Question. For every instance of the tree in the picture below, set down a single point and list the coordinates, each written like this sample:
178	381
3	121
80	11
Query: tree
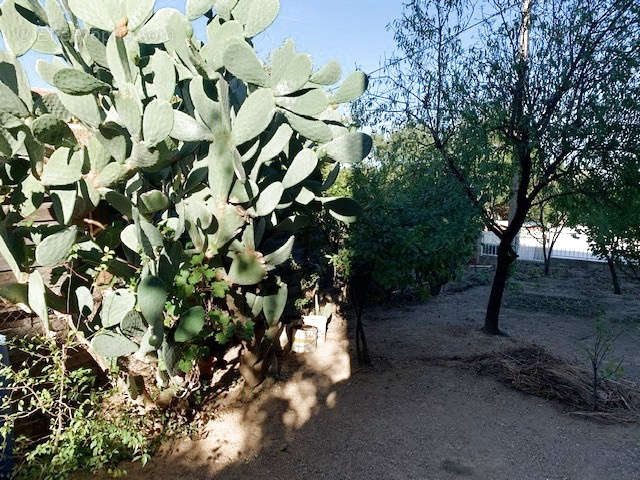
516	97
408	238
548	220
608	212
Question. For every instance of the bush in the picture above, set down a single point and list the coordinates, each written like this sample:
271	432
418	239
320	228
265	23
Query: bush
69	430
418	228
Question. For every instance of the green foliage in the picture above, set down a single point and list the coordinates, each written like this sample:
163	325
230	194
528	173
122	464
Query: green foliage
77	434
607	209
162	233
418	228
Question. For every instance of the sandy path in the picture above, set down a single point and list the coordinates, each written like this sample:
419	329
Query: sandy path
406	419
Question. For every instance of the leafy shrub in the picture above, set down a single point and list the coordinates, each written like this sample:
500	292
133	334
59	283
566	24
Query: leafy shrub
418	228
72	432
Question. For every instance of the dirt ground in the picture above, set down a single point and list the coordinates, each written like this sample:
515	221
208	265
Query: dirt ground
405	418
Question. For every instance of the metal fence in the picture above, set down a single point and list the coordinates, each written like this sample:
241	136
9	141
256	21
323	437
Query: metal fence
571	245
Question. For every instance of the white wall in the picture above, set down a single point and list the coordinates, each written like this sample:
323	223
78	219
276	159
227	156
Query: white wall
570	245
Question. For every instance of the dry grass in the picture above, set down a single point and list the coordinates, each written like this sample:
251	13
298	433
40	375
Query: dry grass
534	371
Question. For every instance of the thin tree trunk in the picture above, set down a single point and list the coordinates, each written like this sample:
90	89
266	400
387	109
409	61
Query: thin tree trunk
547	266
546	253
357	295
506	257
614	276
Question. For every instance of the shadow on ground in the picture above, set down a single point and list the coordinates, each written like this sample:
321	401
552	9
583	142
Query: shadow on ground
408	418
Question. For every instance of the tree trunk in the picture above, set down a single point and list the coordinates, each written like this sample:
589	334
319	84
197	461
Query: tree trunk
614	276
506	256
547	266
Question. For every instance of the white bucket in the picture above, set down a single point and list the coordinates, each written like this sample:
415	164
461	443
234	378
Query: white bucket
320	322
305	340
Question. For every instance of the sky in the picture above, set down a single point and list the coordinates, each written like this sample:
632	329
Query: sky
353	32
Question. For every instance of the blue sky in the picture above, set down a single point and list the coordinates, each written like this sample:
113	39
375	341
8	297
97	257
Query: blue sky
353	32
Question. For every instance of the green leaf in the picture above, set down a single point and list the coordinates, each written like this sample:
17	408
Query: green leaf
158	29
152	296
36	8
281	255
269	199
11	103
112	345
260	15
129	110
290	71
132	325
224	7
274	305
115	306
154	201
7	252
110	175
84	300
98	14
57	20
37	298
48	70
305	197
301	168
15	293
54	249
46	44
273	148
327	75
64	202
332	177
157	122
138	12
83	107
247	269
255	303
209	110
163	69
187	129
18	33
346	210
51	130
63	168
221	160
254	116
229	224
129	238
241	60
121	54
311	103
191	324
314	130
76	82
220	36
120	202
352	88
350	148
197	8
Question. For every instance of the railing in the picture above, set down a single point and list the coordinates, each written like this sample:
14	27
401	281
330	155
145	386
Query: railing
569	246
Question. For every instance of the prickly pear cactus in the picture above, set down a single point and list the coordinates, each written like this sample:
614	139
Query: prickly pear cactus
198	164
